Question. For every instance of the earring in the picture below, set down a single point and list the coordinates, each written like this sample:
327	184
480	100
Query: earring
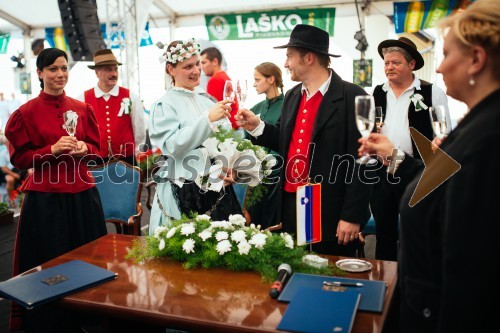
472	82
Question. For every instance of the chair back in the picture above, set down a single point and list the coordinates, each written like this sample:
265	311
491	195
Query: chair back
120	186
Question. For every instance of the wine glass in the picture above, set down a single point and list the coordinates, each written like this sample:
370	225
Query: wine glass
242	91
379	118
438	120
364	107
229	91
70	119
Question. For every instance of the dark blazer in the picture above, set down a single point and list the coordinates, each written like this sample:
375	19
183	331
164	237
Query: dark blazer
449	252
335	138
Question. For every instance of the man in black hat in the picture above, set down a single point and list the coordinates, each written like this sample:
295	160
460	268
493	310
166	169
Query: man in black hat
404	99
119	112
317	136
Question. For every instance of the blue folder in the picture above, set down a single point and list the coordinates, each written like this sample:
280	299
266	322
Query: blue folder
314	310
34	289
372	292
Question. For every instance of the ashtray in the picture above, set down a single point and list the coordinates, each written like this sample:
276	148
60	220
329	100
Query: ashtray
353	265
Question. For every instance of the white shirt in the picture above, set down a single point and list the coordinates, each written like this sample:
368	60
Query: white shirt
323	89
136	116
396	126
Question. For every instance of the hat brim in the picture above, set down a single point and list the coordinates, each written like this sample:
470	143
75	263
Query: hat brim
105	63
419	60
307	47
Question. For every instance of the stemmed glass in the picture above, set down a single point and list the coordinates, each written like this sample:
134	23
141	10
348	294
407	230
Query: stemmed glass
70	118
379	118
438	120
229	91
242	91
364	107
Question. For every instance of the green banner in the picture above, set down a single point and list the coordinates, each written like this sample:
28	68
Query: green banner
273	24
4	43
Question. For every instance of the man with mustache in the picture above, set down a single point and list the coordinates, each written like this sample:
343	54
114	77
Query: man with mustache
119	112
405	100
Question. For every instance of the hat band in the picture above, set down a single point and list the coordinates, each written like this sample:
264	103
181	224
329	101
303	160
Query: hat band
323	48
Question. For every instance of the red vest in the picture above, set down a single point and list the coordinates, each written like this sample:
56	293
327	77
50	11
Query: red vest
298	158
115	131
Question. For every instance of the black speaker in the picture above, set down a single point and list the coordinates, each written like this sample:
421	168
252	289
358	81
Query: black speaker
81	28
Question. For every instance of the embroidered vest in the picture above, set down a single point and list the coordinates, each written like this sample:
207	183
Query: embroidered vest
297	162
116	132
420	120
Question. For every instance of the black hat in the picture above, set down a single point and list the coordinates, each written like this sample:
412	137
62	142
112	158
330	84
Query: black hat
310	38
406	44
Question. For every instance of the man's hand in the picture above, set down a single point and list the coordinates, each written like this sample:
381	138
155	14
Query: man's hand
347	232
247	119
376	144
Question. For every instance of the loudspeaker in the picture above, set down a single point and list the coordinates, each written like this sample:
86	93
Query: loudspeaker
81	28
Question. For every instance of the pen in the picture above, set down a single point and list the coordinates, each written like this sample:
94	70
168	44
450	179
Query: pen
343	284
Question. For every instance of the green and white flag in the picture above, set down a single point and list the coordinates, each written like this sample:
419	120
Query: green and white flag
272	24
4	43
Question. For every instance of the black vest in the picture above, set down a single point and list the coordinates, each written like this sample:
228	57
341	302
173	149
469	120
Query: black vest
420	120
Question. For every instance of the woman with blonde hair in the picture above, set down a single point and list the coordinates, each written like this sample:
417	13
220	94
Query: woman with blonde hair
447	255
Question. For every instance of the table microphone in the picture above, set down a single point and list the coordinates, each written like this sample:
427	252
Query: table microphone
284	272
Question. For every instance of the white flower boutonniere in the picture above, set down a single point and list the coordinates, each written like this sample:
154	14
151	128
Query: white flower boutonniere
417	100
126	107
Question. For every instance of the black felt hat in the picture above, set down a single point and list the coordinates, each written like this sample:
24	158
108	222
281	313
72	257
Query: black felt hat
310	38
406	44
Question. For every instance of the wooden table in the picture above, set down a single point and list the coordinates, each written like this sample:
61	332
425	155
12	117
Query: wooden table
161	292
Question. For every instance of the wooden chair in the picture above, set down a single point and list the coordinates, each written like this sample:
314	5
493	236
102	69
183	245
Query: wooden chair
120	186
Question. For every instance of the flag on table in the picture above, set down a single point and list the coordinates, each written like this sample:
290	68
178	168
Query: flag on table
309	214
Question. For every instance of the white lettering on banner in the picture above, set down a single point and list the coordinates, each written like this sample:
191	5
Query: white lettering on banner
266	24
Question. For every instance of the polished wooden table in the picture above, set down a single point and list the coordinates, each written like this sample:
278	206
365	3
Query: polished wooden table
163	293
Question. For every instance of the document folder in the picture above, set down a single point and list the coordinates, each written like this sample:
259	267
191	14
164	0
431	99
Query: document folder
372	292
34	289
315	310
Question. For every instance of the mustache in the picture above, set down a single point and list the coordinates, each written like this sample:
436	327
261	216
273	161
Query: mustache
113	78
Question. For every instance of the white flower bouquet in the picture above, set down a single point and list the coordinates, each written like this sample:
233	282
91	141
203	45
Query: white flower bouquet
125	107
418	102
200	242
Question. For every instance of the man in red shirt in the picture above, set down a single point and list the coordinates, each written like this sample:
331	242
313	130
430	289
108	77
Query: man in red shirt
211	60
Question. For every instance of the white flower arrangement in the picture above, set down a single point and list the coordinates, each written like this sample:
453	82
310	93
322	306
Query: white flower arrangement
231	244
180	52
417	101
250	162
125	107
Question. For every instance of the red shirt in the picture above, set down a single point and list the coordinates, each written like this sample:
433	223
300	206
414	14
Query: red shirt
299	153
118	130
35	127
215	87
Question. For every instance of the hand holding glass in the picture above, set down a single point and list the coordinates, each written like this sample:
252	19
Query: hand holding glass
364	107
379	118
438	120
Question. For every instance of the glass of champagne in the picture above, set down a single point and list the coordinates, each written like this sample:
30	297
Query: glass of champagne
438	120
364	107
70	119
229	92
242	91
379	118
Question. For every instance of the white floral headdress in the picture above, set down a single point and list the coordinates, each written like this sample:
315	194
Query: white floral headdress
180	52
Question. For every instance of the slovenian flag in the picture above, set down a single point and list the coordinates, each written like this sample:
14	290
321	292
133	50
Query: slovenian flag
308	214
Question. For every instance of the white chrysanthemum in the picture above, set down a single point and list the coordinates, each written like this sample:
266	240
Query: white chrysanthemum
188	245
223	247
238	236
203	217
171	232
205	234
261	153
187	229
258	240
158	231
221	235
267	172
237	219
270	161
221	224
288	240
162	244
244	248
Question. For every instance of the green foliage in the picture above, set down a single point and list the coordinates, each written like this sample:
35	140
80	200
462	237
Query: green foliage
4	207
266	250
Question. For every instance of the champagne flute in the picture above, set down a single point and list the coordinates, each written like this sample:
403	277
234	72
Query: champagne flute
70	119
229	91
379	118
242	91
438	120
364	107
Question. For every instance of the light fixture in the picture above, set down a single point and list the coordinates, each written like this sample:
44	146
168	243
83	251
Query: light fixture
19	60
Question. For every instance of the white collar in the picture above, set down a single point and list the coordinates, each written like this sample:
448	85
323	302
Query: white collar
323	89
113	92
415	84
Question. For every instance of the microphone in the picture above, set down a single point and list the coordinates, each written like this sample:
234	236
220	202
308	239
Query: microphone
284	272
